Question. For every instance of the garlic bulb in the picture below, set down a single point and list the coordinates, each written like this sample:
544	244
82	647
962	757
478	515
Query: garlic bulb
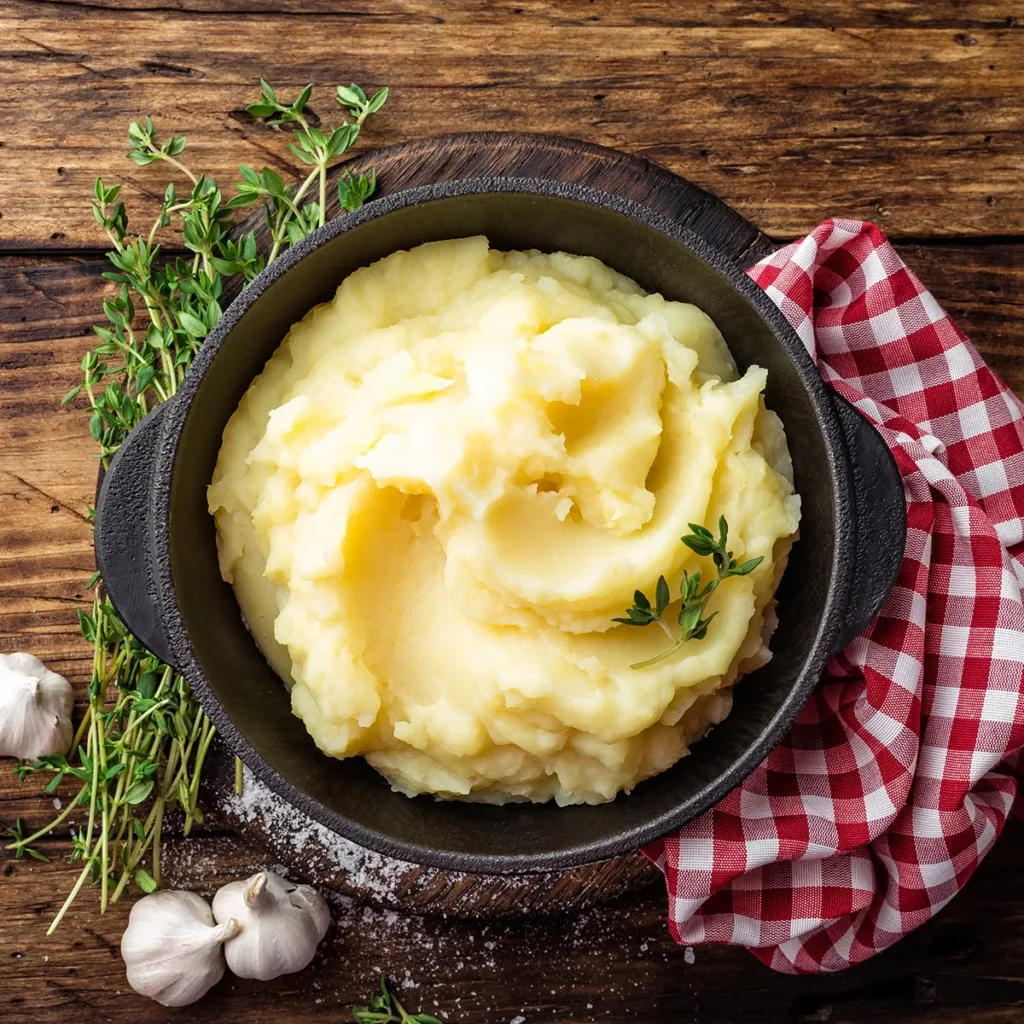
281	925
35	708
172	948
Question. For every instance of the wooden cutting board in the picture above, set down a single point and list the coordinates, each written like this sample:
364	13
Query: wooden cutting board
304	847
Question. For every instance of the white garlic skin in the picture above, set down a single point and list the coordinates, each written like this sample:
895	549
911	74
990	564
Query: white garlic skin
315	905
172	947
281	924
35	708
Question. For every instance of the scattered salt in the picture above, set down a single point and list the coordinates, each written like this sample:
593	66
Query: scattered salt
688	955
330	861
57	805
325	856
519	1019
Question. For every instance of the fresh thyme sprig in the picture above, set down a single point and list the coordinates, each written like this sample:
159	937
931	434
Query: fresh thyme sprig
151	743
140	747
693	597
288	218
385	1008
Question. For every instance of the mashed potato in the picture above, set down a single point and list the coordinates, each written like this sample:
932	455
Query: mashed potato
449	479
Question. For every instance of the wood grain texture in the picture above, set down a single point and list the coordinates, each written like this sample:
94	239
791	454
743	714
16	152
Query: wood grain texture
916	123
906	112
607	965
721	14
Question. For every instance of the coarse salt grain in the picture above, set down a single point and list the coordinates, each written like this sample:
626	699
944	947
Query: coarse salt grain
324	854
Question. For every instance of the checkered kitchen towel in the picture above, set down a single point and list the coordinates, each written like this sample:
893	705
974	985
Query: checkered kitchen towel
899	774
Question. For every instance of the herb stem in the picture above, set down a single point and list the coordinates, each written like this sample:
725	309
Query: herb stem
403	1016
208	733
28	840
678	642
82	727
293	202
132	725
94	789
140	850
173	772
157	838
174	163
169	374
71	899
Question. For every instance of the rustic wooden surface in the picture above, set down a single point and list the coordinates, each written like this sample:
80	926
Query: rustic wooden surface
904	112
911	114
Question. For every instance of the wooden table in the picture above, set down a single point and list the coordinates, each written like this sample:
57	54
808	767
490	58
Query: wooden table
909	114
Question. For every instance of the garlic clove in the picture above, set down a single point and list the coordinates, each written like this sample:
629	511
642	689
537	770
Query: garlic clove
278	933
306	897
35	708
172	947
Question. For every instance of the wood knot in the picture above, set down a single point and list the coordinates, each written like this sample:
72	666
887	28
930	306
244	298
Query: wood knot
165	70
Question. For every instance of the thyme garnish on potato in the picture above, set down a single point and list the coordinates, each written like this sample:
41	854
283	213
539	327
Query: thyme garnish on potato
693	596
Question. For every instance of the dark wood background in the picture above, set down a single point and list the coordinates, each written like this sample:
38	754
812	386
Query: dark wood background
907	113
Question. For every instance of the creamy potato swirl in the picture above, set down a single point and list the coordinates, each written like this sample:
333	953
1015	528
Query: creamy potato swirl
448	480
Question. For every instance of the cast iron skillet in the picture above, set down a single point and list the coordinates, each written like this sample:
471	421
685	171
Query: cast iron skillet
155	540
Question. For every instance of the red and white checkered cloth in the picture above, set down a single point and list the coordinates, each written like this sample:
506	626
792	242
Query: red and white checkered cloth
899	774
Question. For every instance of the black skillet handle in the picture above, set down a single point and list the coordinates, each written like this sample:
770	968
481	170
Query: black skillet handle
880	519
123	535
